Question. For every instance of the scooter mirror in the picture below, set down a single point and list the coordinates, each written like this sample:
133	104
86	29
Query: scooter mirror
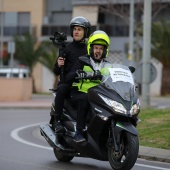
132	69
85	60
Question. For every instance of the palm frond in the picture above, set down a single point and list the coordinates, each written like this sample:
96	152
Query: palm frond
49	55
161	42
25	50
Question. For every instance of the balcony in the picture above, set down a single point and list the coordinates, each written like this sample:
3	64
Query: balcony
18	30
51	29
114	31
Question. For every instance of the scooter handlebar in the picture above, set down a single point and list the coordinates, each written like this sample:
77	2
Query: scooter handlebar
94	77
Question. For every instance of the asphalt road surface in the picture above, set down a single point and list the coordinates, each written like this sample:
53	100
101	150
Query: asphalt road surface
23	148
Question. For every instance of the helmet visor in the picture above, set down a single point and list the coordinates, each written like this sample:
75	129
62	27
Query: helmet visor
100	42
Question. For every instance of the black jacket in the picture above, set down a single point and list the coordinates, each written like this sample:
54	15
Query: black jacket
70	77
73	51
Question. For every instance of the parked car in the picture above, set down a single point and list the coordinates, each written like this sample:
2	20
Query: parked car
19	72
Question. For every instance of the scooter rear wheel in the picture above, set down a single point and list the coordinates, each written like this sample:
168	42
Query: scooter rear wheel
62	157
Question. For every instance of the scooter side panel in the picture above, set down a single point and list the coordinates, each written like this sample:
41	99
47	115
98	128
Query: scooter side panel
96	126
88	148
50	136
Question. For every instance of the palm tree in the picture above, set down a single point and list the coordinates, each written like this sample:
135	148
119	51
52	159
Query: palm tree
49	57
26	53
161	51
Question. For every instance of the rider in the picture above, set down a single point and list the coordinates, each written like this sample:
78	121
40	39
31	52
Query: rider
97	48
80	29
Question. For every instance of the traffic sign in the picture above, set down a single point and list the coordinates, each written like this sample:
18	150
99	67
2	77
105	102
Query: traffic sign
138	73
11	47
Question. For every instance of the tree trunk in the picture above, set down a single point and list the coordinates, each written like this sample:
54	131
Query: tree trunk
33	83
33	86
165	88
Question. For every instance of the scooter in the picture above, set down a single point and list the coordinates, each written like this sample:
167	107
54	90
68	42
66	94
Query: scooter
110	132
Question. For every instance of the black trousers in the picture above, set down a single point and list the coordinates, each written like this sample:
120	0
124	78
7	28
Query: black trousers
82	105
63	91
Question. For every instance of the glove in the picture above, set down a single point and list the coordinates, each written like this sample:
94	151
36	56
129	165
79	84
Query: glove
97	73
81	74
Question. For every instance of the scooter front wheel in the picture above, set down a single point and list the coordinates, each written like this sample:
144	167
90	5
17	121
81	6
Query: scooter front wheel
126	157
62	157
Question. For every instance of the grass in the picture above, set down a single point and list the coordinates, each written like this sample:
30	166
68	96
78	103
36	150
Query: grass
154	128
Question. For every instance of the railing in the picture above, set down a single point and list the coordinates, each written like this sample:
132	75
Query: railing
51	29
18	30
110	30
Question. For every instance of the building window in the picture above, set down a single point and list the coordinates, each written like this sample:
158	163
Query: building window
23	19
15	23
61	18
23	23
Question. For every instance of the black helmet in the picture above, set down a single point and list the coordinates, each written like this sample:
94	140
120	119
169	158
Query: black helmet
82	22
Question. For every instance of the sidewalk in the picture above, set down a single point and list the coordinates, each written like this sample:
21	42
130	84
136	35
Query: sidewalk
44	102
37	101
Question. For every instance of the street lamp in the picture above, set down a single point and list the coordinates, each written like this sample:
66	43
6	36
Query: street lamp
131	31
146	53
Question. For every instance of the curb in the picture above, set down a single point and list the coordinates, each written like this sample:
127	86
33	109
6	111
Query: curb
154	154
152	158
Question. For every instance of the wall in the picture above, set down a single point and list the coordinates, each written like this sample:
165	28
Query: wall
47	80
36	10
37	75
58	5
15	89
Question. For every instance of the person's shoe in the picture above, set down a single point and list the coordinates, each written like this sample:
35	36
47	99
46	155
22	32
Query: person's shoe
79	137
58	127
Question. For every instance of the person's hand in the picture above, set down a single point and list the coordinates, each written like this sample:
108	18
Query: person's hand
60	61
97	73
81	74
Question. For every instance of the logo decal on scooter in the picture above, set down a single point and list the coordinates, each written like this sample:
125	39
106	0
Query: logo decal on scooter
98	110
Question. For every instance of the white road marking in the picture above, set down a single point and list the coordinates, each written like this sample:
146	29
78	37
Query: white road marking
153	167
14	135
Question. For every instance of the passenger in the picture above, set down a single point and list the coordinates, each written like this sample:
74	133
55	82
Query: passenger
80	30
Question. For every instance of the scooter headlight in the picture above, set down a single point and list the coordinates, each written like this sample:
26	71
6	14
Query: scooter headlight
118	107
135	108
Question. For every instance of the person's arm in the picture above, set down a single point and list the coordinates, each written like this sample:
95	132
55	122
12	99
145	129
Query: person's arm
70	77
56	68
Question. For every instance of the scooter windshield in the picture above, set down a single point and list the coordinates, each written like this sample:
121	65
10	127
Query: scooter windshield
120	79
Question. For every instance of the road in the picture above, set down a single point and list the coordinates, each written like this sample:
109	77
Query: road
23	148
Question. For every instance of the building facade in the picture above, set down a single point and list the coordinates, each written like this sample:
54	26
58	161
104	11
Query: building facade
42	18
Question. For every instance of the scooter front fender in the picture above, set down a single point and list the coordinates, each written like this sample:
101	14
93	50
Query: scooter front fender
123	126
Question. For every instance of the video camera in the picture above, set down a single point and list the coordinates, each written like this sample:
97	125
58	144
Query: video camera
58	38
